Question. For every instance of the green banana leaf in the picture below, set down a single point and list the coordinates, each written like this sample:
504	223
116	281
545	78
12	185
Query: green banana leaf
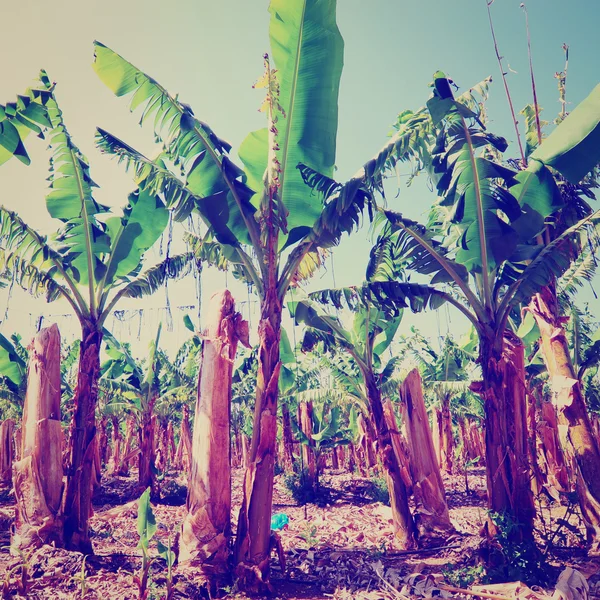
11	365
573	148
222	197
307	49
20	118
144	220
146	521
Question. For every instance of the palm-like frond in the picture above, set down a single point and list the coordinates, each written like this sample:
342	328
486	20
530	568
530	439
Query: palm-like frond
581	271
209	173
150	280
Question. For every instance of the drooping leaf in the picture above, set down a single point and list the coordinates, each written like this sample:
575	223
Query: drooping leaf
573	148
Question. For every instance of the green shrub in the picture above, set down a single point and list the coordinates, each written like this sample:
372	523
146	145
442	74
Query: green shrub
299	486
378	490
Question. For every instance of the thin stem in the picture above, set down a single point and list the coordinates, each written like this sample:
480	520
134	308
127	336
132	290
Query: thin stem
536	107
503	74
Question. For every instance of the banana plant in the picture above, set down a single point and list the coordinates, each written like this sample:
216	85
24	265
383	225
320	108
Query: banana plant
481	252
446	377
13	376
327	432
140	391
261	218
94	259
366	340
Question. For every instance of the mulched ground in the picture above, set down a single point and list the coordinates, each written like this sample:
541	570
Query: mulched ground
341	549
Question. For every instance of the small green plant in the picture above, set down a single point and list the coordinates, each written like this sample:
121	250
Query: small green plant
81	578
469	463
464	576
146	527
309	535
513	558
22	582
168	555
300	487
378	491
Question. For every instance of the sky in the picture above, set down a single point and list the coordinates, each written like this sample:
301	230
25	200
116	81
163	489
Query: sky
210	52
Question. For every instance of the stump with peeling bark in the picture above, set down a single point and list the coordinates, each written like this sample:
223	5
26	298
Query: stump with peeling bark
38	476
428	489
204	541
7	451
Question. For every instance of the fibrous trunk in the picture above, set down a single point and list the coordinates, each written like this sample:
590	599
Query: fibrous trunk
432	515
556	468
38	476
404	527
183	455
78	493
399	444
305	410
252	548
578	438
446	437
7	453
206	529
288	439
117	439
146	473
506	443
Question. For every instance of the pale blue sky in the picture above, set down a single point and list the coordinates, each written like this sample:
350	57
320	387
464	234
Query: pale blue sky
211	53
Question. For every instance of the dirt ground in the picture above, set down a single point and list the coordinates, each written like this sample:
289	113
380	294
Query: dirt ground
341	549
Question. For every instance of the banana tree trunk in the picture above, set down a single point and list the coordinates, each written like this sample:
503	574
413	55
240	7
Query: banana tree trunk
117	439
335	463
305	410
206	530
130	428
432	517
436	430
245	450
578	439
38	476
170	444
7	454
506	449
447	437
184	447
398	443
537	480
252	547
146	435
288	439
404	526
78	493
103	440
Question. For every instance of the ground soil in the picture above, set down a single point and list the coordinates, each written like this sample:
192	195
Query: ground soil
342	548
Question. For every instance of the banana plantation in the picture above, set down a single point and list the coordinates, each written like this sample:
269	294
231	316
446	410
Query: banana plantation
418	419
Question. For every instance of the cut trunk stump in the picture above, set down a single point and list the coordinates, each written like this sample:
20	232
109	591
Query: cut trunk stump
398	443
404	525
577	435
7	451
206	530
38	476
431	514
